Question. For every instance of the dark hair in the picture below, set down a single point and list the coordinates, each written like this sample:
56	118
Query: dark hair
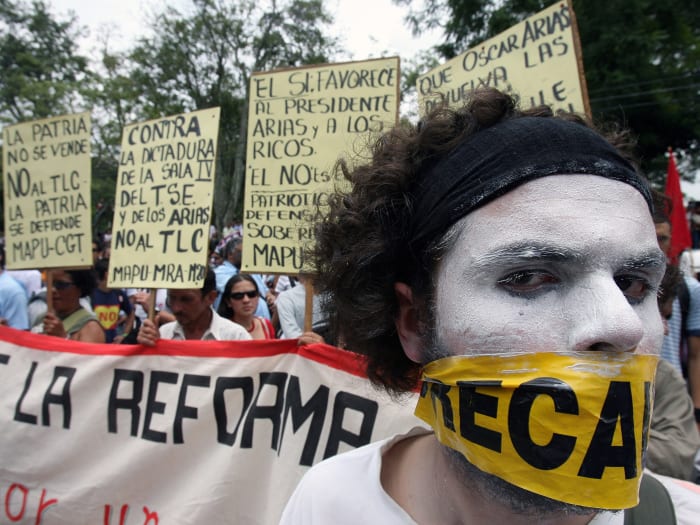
101	268
663	206
670	284
224	309
100	244
209	282
84	280
231	246
212	245
361	236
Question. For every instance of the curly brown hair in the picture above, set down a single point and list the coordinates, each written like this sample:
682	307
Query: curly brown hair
362	236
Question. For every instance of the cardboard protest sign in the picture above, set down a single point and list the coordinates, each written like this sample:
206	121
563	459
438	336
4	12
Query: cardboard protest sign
47	178
188	432
165	189
538	59
300	121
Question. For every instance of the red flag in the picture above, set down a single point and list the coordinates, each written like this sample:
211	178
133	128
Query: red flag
680	232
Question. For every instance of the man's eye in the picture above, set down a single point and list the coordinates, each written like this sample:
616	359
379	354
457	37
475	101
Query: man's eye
634	287
526	281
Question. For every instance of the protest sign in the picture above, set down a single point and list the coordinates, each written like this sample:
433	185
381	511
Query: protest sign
538	59
185	433
47	178
162	212
300	121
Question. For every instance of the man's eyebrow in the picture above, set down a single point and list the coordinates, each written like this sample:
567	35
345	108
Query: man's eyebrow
524	251
651	259
529	251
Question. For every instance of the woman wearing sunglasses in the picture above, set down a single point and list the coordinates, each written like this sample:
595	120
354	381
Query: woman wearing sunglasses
69	319
239	302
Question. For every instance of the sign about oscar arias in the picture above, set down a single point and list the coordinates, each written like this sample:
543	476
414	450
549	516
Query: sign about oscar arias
46	177
300	122
163	199
185	433
538	59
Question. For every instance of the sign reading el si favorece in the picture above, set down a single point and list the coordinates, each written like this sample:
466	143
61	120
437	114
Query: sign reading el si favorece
300	122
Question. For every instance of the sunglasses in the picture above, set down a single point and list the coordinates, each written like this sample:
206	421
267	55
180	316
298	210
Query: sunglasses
237	296
62	285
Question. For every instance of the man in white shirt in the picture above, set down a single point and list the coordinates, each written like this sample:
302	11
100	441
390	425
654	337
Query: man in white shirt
194	318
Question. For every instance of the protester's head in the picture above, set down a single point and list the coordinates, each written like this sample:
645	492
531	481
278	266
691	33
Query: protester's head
101	269
233	251
494	231
430	188
662	222
84	280
215	259
97	249
213	244
191	305
240	297
69	286
2	255
107	247
209	285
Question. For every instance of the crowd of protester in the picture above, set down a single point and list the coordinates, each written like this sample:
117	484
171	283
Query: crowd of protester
86	309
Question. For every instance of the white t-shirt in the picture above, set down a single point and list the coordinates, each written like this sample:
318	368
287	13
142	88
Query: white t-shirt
346	490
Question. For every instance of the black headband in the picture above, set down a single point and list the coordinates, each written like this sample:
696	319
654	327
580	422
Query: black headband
495	160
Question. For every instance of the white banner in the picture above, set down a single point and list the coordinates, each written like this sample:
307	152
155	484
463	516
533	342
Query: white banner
184	433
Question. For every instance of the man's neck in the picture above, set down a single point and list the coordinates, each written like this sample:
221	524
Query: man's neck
450	496
197	328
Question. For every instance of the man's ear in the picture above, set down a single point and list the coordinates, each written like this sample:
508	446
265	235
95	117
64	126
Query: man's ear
210	297
408	324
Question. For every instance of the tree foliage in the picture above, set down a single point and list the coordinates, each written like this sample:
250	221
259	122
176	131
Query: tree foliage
641	59
42	71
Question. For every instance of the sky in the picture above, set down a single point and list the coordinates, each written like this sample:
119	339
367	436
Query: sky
367	28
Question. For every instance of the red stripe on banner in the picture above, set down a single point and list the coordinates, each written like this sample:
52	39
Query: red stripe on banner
327	355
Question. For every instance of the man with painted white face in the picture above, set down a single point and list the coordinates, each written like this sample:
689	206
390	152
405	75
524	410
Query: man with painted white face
504	262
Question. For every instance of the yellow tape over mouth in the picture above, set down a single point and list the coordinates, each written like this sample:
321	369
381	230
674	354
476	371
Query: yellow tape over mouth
572	427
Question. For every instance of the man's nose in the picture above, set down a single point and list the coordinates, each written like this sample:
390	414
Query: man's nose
606	320
175	308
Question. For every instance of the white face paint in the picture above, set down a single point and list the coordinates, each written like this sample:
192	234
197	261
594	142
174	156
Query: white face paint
560	263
